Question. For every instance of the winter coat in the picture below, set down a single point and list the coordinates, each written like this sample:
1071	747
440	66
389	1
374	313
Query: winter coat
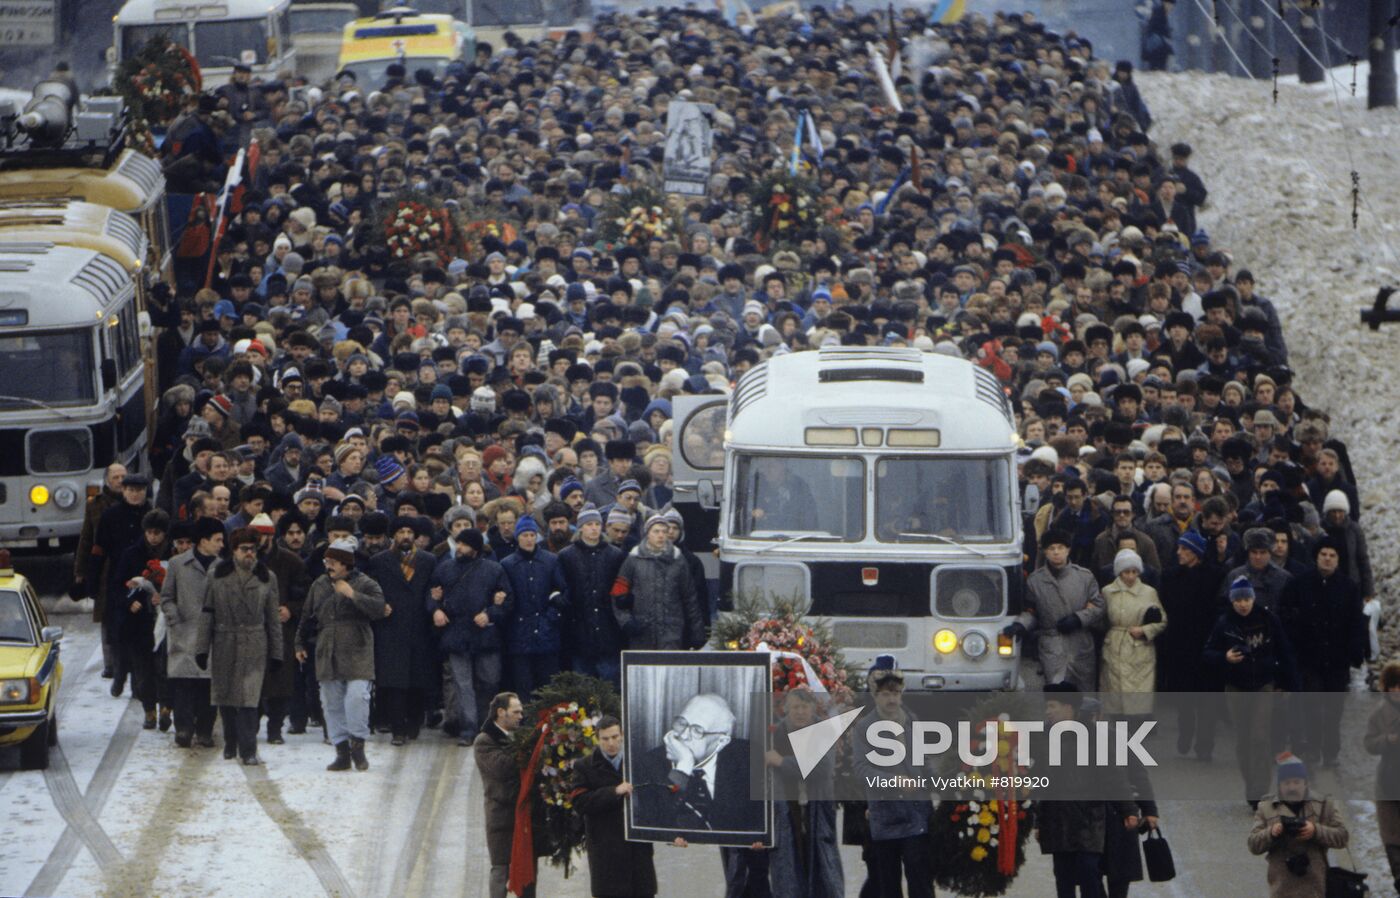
292	583
1268	584
656	603
1122	851
1106	548
1129	672
403	649
135	629
541	595
1079	825
811	865
469	586
590	571
92	513
1189	597
890	818
616	867
341	627
1331	833
117	530
1052	596
242	633
1325	623
500	779
1084	528
1356	558
1383	723
182	603
1269	655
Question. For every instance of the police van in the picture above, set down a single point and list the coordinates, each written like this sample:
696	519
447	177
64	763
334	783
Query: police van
876	485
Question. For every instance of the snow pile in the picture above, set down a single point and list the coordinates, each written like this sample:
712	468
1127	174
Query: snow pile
1280	204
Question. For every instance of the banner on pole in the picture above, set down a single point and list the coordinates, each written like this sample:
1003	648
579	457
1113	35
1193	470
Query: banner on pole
689	141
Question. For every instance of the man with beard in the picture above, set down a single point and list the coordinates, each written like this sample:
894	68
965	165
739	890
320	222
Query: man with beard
290	573
118	529
559	532
402	651
242	637
340	608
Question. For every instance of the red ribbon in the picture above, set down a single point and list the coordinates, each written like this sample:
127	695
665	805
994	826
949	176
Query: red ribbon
522	845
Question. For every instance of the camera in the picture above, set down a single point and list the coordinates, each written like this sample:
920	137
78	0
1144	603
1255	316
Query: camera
1243	649
1298	864
1292	826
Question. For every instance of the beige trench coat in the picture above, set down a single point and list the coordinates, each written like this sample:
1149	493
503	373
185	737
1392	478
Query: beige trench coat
1128	674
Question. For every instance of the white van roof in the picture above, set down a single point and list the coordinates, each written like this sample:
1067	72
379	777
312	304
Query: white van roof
145	12
60	286
855	386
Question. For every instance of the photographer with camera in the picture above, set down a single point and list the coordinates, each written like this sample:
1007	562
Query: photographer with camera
1250	654
1295	830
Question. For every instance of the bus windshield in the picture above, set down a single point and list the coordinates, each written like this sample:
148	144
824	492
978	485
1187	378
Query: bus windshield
53	368
134	37
938	499
799	497
321	20
496	13
231	42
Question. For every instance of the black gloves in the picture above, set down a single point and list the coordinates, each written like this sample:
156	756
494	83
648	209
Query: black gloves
1152	615
202	660
1068	624
1016	630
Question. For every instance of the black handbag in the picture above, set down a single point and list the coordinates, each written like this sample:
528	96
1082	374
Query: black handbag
1157	856
1344	883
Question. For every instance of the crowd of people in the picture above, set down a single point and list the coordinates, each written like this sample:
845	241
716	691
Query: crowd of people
389	490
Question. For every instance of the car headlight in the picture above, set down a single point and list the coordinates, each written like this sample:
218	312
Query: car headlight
974	645
946	641
14	692
65	497
39	495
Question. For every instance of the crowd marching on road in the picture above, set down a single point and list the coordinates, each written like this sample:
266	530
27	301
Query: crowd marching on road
398	495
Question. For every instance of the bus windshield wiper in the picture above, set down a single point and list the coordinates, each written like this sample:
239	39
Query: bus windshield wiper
38	403
783	539
944	539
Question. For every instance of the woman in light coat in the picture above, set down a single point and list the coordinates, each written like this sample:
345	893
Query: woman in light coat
1128	674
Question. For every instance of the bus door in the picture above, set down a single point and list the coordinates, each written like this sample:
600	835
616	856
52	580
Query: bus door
697	474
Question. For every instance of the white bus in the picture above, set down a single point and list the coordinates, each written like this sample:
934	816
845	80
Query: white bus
878	485
219	33
71	386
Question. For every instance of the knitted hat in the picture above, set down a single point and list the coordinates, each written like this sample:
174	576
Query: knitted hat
222	405
1125	560
589	515
492	454
1241	589
1193	541
262	523
570	486
331	404
343	451
526	525
308	493
628	486
619	516
1291	767
472	537
483	400
389	468
1336	500
343	550
654	520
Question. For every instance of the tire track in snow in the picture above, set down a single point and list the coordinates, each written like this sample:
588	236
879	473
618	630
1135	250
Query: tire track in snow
303	838
416	847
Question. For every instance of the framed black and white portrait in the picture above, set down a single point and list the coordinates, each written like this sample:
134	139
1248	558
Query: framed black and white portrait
691	721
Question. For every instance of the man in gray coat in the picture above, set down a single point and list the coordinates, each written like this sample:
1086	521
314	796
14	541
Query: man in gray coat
340	608
243	637
1267	578
182	603
1063	606
654	594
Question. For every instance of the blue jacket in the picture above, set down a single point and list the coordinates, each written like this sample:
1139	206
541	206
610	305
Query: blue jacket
541	597
469	586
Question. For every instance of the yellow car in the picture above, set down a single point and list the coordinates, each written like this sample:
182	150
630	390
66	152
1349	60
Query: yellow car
30	670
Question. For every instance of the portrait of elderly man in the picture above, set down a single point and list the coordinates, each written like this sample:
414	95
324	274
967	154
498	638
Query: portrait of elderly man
698	777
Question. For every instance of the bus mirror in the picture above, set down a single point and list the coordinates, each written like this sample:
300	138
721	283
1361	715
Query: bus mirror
109	374
705	491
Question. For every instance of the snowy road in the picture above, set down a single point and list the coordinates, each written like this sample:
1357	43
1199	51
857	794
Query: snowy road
122	812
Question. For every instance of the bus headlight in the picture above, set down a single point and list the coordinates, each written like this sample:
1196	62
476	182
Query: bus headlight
974	645
39	495
65	497
946	641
